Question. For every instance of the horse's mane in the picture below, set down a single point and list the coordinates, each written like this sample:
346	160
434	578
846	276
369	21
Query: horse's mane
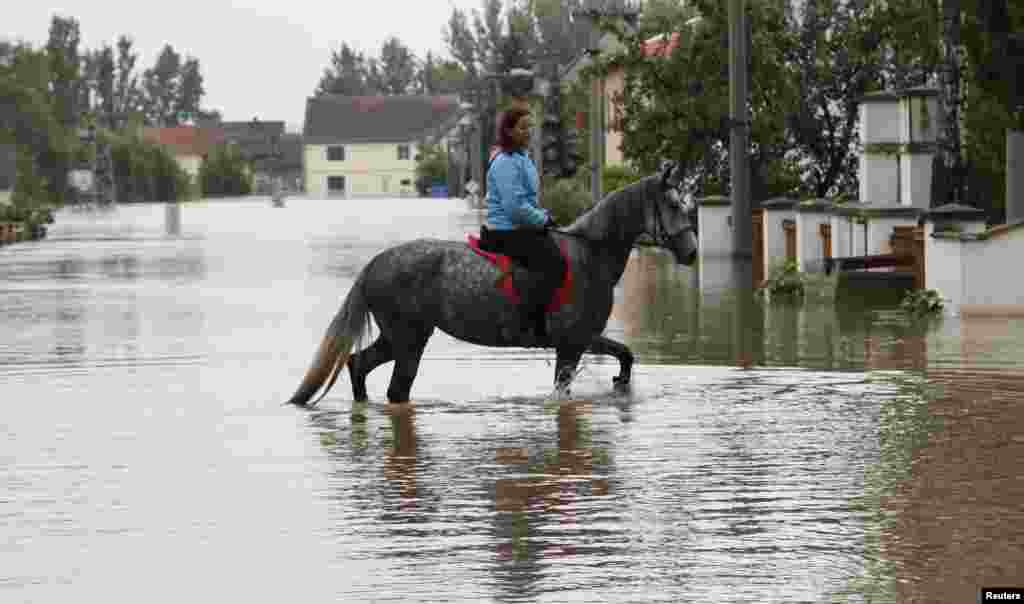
610	217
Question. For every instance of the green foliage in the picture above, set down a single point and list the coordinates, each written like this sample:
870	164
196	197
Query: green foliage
565	198
922	303
785	281
616	177
224	173
145	171
431	166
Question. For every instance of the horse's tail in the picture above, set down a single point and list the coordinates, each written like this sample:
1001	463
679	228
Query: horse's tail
348	326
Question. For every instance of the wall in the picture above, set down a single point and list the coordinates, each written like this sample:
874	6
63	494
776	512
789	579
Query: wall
986	268
916	180
879	178
809	249
775	236
714	230
944	269
880	122
190	164
614	85
369	169
847	237
919	119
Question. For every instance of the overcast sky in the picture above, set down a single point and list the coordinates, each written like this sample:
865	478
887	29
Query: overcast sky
258	57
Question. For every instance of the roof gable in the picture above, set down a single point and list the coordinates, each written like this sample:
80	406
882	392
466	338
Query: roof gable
255	139
376	119
185	140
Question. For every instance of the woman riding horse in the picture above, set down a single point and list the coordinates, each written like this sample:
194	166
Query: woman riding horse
516	224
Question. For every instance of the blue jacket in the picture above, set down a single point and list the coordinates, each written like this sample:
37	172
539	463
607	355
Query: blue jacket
512	192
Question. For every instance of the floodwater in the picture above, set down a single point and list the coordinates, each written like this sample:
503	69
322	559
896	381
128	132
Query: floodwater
831	453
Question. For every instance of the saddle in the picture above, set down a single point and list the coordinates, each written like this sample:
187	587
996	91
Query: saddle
505	282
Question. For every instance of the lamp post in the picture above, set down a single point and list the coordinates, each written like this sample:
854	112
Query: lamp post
742	229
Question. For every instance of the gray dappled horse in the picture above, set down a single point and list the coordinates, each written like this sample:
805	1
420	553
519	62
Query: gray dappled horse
415	287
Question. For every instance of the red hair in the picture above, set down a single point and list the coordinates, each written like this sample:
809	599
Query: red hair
507	122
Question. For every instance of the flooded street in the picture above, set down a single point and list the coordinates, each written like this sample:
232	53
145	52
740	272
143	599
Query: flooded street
829	453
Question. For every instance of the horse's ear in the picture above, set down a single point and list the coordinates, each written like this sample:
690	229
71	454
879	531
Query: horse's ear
666	169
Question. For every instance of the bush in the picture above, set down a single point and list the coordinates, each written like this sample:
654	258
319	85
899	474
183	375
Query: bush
921	303
784	281
224	173
431	167
145	171
616	177
565	198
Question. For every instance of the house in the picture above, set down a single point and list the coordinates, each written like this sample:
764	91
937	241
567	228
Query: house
259	144
188	144
357	146
8	157
289	166
614	84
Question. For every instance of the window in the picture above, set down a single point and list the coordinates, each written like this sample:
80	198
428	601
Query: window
335	184
403	152
336	153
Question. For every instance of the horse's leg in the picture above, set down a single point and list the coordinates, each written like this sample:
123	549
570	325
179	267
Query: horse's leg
602	345
408	348
365	361
566	360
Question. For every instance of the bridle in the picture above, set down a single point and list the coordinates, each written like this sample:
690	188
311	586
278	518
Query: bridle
661	236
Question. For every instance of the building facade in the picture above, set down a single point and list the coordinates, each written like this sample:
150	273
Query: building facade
366	146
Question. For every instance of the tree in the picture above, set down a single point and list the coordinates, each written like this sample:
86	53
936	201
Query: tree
161	86
105	85
431	166
126	97
440	77
346	74
29	120
397	67
66	92
837	58
190	90
677	106
224	173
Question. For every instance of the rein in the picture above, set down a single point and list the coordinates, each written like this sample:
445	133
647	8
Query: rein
660	234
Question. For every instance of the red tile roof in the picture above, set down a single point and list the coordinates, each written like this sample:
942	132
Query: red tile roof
185	140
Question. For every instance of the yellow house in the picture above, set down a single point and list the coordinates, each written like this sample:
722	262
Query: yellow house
365	146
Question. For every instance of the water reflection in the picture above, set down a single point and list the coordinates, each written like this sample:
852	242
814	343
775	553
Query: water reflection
892	480
675	314
172	219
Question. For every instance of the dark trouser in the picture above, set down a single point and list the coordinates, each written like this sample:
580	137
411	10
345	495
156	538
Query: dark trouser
538	252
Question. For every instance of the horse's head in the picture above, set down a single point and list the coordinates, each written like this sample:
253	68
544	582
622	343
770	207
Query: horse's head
669	221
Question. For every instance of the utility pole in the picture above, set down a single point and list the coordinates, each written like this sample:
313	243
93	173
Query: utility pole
739	121
629	13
